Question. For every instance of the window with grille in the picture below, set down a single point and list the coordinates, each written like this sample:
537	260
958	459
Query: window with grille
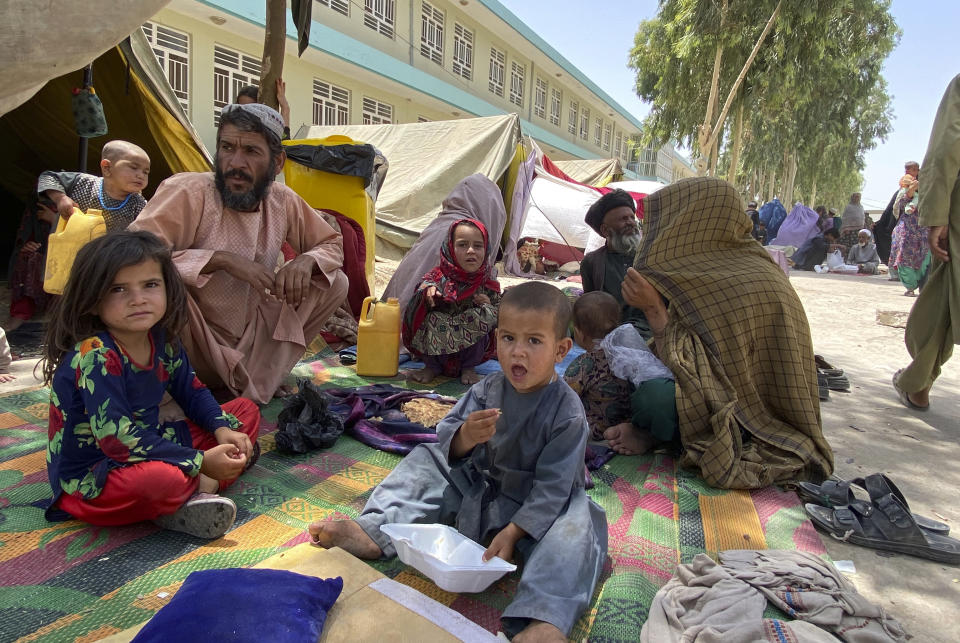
331	104
340	6
597	130
556	101
540	98
618	145
380	15
572	116
172	49
231	71
647	162
517	72
607	134
376	113
462	51
498	65
585	123
431	33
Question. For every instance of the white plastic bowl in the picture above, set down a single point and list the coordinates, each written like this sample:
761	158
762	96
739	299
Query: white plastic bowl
445	556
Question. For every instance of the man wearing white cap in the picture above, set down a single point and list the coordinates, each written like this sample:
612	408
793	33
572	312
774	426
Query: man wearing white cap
248	322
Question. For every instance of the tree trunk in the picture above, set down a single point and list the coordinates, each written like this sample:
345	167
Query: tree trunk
714	155
705	139
737	139
773	184
746	66
274	43
813	194
790	168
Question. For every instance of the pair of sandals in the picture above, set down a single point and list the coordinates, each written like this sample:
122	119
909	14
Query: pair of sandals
830	378
882	522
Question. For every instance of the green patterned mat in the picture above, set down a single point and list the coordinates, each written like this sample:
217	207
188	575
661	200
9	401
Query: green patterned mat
73	582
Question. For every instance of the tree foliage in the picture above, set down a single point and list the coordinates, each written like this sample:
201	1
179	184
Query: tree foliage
814	97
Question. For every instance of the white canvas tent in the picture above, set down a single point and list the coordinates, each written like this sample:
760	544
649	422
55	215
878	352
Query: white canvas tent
547	207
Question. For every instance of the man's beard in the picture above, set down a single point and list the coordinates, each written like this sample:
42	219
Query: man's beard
626	244
242	201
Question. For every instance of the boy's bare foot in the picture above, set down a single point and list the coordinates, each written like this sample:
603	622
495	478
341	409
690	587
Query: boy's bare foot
345	534
470	377
208	485
626	439
539	632
422	375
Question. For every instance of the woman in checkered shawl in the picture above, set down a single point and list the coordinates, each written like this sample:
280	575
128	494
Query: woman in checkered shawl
731	328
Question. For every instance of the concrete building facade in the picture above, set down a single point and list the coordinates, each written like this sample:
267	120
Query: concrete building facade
397	61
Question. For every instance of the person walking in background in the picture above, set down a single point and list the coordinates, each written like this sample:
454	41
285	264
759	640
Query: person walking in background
883	230
930	336
909	252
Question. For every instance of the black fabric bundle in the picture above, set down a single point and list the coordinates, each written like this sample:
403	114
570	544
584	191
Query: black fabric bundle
306	421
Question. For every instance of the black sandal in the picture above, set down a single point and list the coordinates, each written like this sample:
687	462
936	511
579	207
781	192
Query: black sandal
826	367
837	493
885	524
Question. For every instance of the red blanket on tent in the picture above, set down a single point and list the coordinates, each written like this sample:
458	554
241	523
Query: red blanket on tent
551	168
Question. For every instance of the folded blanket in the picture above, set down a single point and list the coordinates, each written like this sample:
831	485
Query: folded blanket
707	602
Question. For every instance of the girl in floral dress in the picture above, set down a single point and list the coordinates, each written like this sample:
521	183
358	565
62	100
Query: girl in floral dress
112	352
450	321
909	248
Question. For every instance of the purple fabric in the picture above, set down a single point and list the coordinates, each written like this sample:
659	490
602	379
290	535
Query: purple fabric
393	433
801	225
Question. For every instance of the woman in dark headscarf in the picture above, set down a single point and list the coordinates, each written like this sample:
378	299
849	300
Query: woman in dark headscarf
731	328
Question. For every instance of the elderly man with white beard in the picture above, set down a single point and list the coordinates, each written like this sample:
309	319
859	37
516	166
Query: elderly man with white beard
614	217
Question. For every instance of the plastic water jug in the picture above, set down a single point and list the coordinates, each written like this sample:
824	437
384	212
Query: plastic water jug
378	340
72	234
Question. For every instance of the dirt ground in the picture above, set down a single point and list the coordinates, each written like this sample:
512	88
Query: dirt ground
869	430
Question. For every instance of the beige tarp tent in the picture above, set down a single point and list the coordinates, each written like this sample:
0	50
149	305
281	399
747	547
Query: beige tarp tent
43	40
139	106
595	172
426	161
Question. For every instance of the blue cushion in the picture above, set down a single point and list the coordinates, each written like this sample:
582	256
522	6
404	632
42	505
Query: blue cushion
245	605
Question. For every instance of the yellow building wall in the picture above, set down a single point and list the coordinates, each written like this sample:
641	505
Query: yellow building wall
408	104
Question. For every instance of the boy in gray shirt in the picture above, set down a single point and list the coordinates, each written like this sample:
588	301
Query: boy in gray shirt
507	471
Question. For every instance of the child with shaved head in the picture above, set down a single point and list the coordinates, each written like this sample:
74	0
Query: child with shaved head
126	170
507	471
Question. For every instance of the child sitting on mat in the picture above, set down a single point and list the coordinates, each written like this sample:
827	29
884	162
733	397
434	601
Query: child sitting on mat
111	353
126	170
450	321
605	397
625	388
507	471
